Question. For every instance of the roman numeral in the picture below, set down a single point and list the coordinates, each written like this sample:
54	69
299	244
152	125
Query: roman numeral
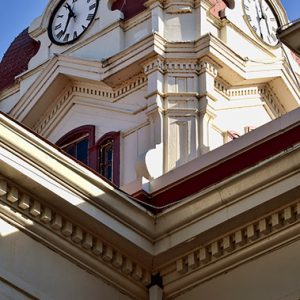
75	35
249	18
57	26
89	17
83	27
60	34
246	7
92	6
274	37
74	1
59	16
66	38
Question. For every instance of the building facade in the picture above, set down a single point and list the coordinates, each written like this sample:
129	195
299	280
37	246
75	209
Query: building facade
150	150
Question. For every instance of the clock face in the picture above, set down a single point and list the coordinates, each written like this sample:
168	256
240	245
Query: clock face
261	18
70	20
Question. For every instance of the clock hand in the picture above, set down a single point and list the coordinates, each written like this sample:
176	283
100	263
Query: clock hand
259	14
258	9
264	17
67	23
70	15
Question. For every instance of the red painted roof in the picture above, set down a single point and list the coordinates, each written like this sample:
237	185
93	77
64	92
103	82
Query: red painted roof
129	8
238	161
16	58
132	8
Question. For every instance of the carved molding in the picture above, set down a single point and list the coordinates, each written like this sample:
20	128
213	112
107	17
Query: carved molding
172	6
22	203
157	64
228	251
111	95
179	6
239	239
254	91
181	66
207	65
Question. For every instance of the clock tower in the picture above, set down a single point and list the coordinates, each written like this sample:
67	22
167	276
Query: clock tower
148	151
174	79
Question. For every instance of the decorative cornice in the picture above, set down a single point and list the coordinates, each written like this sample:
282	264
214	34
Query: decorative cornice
245	92
157	64
246	239
71	232
235	247
97	92
241	237
179	6
172	6
207	65
181	66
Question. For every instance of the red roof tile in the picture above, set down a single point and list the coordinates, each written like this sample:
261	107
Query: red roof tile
129	8
16	58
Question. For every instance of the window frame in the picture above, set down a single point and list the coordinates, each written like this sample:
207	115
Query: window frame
115	138
93	155
77	135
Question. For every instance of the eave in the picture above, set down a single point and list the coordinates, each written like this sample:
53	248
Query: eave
289	35
68	208
61	71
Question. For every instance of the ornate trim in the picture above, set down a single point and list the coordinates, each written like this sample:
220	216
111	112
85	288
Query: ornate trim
239	239
261	90
73	233
157	64
111	95
181	66
179	6
206	65
232	249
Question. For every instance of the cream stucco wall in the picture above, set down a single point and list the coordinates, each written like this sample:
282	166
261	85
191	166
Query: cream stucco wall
30	270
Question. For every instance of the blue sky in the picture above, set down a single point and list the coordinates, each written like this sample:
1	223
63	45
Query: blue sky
16	15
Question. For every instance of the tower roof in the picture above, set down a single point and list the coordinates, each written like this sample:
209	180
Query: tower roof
16	58
130	8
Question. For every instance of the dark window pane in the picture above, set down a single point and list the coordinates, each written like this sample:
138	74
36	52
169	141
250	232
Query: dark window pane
108	154
108	172
106	159
82	151
70	150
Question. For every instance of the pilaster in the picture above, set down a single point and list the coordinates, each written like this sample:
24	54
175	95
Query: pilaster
208	72
179	92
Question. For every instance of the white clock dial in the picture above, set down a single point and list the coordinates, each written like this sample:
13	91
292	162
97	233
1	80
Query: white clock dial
262	20
70	20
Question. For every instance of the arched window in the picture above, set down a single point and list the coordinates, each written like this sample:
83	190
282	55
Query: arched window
108	156
103	157
78	143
